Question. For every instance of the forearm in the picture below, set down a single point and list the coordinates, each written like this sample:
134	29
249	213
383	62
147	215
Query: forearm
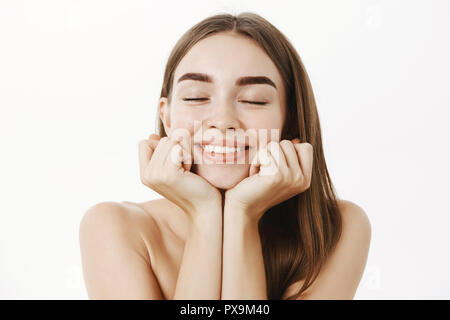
243	274
200	272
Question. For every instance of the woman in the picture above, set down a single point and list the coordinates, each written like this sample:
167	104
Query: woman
260	221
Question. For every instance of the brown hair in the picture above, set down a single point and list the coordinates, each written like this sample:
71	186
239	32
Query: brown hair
297	235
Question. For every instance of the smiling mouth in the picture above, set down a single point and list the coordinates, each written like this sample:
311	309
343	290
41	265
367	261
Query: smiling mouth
222	154
221	149
215	149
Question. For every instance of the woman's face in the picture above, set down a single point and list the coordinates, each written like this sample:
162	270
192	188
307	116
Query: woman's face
224	109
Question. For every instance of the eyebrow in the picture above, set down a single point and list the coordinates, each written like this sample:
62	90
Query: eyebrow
242	81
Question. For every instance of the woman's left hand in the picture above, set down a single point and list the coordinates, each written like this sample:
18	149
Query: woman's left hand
285	170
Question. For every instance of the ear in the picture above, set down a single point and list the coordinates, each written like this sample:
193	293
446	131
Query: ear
164	114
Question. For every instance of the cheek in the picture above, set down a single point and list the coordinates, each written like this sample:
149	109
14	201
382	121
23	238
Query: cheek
267	127
268	121
182	118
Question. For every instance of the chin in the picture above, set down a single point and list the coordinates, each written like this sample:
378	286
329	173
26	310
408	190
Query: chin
222	176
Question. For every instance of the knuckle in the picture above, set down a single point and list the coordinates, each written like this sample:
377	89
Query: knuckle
285	143
274	144
271	146
141	145
308	146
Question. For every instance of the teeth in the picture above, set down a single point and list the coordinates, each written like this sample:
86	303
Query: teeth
220	149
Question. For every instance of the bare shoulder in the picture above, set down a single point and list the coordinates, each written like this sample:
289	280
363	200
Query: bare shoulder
342	272
118	221
121	216
170	219
355	219
114	241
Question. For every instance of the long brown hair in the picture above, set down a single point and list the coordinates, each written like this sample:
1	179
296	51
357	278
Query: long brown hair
297	235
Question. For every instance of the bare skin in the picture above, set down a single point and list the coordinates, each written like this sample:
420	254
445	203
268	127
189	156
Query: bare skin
159	230
166	246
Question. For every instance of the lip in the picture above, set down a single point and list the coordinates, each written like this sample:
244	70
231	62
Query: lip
224	143
230	157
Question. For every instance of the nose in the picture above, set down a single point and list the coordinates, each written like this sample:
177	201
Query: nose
223	117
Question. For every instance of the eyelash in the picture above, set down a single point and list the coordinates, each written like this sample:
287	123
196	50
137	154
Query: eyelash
251	102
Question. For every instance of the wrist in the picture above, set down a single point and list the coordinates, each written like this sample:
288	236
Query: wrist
241	213
207	224
206	214
213	207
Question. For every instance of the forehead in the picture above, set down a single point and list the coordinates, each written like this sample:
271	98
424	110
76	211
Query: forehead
227	57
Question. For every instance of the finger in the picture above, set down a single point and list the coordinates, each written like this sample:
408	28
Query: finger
187	154
174	159
305	154
268	164
160	153
291	155
254	165
173	153
154	136
184	139
146	150
153	141
145	154
278	154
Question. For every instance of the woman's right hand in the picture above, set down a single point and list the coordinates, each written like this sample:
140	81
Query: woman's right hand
163	168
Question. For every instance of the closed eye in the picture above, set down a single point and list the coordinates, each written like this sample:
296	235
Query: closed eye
202	99
255	102
194	99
